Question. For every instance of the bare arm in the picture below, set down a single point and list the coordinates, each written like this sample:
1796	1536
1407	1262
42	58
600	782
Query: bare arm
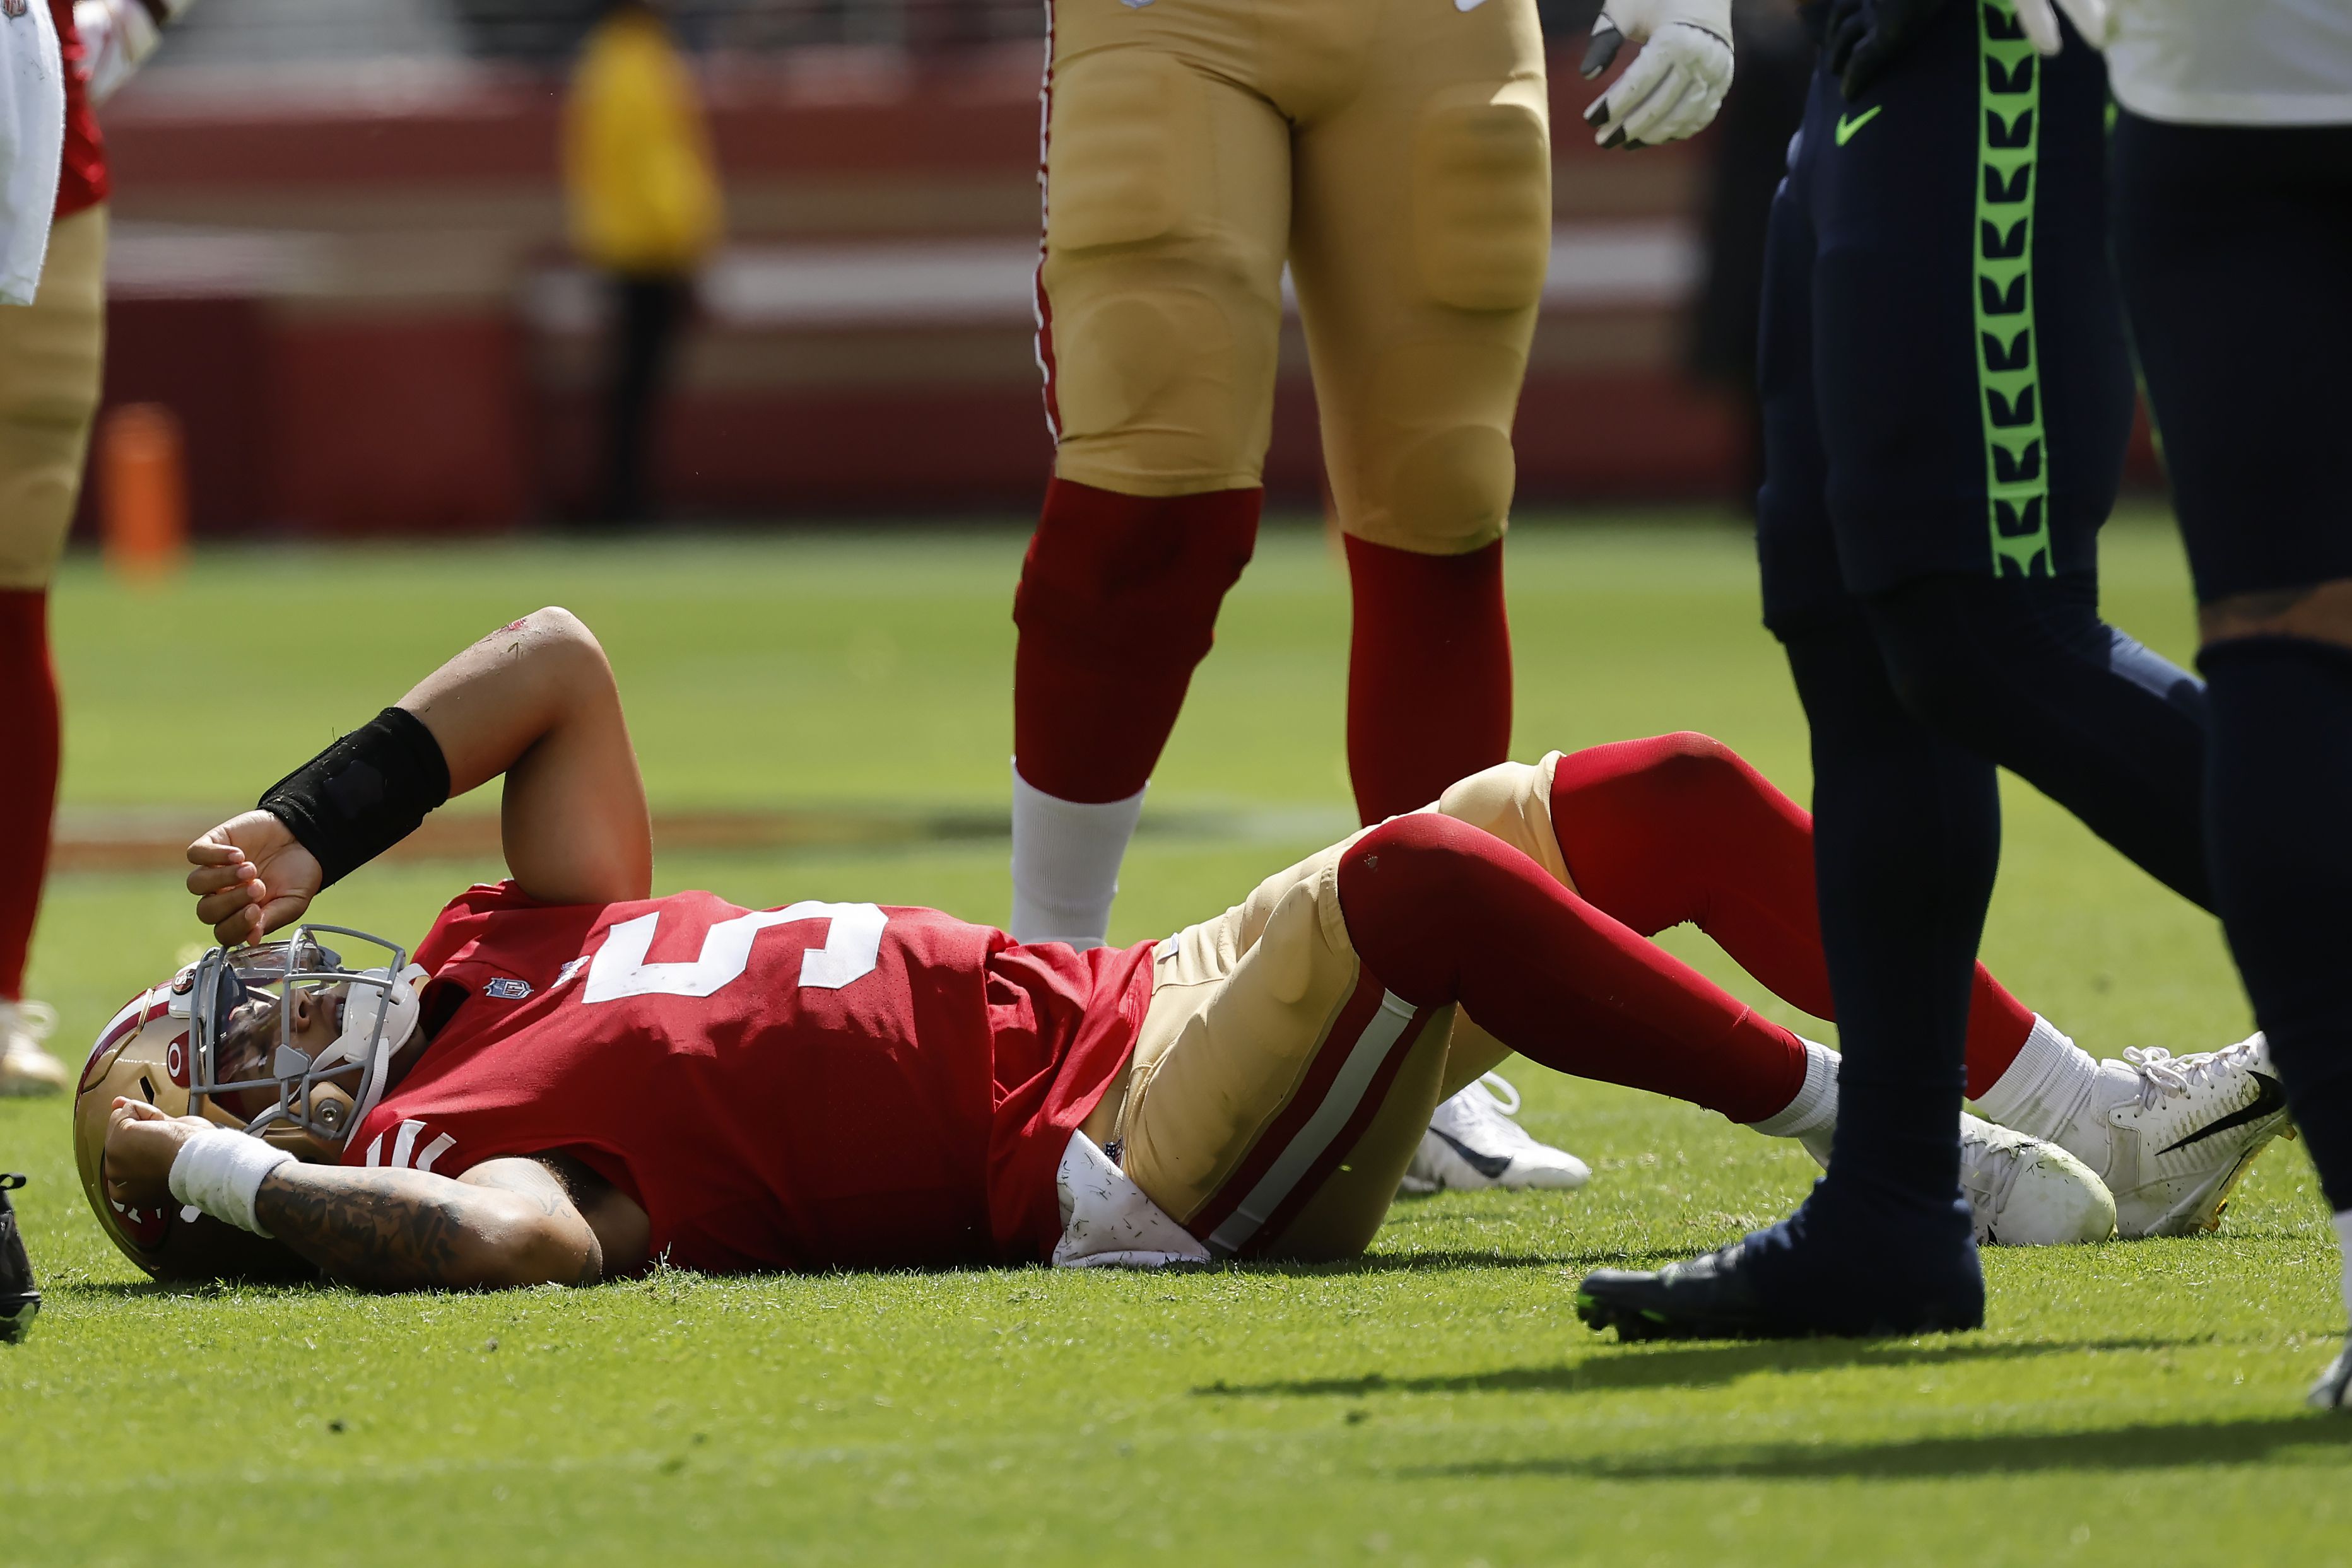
532	1220
535	701
505	1223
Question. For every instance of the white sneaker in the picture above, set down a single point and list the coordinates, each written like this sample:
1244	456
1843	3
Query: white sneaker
1472	1143
25	1068
2022	1192
2171	1135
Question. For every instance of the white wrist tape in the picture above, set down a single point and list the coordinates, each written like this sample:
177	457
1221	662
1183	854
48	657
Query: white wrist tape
220	1172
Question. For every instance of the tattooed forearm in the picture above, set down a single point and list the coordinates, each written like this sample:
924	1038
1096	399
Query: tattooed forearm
408	1231
366	1233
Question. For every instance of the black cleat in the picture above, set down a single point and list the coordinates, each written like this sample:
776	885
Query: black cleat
2335	1385
1720	1296
1710	1297
19	1300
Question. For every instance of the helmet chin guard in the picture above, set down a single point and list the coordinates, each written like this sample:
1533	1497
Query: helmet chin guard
239	1044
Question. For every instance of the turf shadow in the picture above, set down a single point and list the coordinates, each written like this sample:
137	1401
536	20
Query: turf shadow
1690	1366
2149	1447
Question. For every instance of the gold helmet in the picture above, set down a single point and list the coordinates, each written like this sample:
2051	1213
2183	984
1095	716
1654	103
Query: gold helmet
216	1041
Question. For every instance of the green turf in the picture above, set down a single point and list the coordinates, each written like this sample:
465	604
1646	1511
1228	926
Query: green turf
1434	1404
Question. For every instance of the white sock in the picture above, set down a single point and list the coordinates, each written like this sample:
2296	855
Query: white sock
2343	1244
1814	1108
1065	856
2045	1088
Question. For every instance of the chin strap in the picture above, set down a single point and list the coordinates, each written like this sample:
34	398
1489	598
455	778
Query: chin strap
400	1006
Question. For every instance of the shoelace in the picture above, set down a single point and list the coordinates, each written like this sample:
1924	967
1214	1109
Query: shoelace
1496	1086
2162	1073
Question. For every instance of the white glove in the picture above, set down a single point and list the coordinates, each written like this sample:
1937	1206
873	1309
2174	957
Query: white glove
117	37
1676	83
2094	19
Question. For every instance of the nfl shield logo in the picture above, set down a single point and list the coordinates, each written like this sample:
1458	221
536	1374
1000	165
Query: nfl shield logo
13	8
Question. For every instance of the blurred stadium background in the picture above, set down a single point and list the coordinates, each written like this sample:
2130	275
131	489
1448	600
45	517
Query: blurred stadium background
340	257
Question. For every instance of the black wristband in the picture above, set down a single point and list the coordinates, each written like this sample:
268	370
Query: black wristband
364	793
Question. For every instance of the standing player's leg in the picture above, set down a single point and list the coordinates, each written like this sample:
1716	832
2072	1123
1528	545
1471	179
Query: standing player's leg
2262	478
1968	515
1422	229
1679	828
1159	307
49	366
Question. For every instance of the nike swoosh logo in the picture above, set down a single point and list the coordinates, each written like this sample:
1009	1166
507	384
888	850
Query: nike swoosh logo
1491	1167
1848	125
2269	1102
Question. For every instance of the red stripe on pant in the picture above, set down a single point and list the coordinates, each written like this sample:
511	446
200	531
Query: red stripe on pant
1363	1004
1375	1096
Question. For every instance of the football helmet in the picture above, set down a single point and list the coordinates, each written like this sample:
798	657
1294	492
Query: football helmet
217	1041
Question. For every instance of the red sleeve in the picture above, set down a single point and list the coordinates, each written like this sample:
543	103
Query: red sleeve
461	920
83	181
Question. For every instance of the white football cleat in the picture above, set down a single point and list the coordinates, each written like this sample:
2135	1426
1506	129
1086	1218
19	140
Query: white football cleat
25	1068
2171	1135
2022	1191
1472	1143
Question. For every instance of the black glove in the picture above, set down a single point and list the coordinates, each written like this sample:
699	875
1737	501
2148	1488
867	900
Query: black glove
1861	38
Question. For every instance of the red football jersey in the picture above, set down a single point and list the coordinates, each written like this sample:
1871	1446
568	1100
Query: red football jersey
82	181
824	1085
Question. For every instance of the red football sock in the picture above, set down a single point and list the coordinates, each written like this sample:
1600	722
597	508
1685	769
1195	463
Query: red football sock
1443	912
1429	674
29	781
1117	602
1680	827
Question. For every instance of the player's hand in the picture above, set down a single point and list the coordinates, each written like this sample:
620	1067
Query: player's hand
141	1142
1675	85
252	876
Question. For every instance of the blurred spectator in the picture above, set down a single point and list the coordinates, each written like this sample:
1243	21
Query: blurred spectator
1750	147
645	210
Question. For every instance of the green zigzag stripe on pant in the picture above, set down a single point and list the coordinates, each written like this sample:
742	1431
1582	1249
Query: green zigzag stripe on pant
2008	382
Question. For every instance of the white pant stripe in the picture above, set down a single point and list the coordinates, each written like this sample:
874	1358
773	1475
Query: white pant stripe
405	1144
1330	1119
435	1150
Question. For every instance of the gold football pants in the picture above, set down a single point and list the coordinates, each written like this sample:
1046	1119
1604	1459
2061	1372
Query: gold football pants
1395	153
1278	1092
50	356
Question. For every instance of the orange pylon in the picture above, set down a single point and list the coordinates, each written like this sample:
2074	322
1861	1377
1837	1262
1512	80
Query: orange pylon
143	490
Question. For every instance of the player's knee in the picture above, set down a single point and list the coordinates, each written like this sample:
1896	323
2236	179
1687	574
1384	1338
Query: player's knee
1127	579
1689	769
1482	198
1494	798
1451	492
1396	884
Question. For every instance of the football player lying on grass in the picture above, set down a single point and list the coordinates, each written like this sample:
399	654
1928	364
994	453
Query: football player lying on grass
575	1079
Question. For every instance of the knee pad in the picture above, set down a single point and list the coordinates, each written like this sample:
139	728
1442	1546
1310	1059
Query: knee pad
1481	197
1133	581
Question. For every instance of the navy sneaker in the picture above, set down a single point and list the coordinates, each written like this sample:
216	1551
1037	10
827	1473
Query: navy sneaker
1817	1272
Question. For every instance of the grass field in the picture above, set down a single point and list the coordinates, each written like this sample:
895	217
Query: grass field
1435	1404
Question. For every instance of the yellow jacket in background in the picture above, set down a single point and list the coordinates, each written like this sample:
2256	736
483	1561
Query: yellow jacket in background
641	187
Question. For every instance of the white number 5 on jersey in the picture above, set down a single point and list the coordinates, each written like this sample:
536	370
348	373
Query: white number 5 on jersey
851	949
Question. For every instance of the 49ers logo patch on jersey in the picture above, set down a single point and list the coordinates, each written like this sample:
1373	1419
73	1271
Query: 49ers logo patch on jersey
507	989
